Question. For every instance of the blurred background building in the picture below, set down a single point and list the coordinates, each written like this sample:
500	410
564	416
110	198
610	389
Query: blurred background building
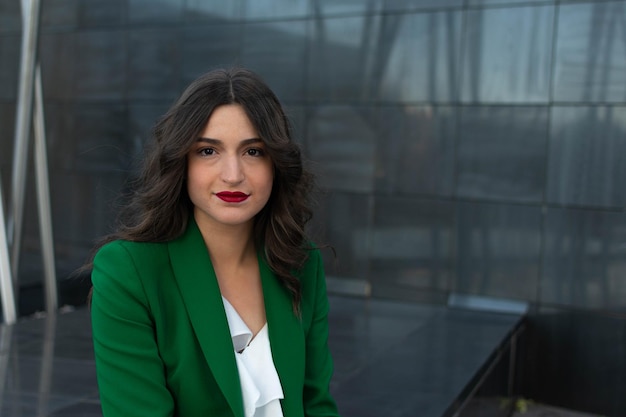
472	147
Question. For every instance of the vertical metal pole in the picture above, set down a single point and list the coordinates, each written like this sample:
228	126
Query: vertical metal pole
6	283
6	335
43	198
30	28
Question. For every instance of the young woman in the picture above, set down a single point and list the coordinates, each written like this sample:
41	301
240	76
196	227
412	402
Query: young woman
209	300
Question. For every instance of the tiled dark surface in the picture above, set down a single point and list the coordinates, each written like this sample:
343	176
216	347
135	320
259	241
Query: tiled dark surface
9	65
585	259
343	221
93	199
498	250
339	7
415	150
276	9
283	66
95	141
200	53
505	2
501	153
410	5
507	55
586	156
154	64
94	13
10	17
7	123
101	70
203	11
417	57
391	359
590	54
342	142
155	12
57	54
342	54
59	13
412	244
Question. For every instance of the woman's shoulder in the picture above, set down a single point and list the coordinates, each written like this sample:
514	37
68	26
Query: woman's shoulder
313	266
145	253
132	247
314	252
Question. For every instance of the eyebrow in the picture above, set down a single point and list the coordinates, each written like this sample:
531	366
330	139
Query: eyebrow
219	142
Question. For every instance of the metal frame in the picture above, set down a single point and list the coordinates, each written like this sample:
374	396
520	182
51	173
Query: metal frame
30	109
43	199
6	283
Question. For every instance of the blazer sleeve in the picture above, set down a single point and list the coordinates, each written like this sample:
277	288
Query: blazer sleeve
131	376
319	366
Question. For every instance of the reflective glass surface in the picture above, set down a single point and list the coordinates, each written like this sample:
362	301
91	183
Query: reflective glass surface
412	243
282	68
418	57
95	13
10	16
590	58
7	126
155	11
59	13
586	156
58	56
276	9
409	5
343	221
505	2
339	7
9	65
200	52
507	55
91	137
202	10
502	153
584	259
154	64
415	149
498	250
100	73
343	58
341	140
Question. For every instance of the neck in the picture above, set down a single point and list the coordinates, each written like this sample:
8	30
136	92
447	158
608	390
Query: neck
228	245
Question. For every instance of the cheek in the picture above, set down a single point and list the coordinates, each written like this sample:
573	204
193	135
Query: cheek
269	179
193	180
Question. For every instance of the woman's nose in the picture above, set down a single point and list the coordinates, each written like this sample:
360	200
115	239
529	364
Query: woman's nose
232	171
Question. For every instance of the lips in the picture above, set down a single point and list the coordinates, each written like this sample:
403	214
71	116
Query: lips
232	197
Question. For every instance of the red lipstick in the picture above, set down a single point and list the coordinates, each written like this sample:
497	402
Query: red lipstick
232	197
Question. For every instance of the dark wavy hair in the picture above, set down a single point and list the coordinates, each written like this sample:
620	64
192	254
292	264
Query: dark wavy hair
159	206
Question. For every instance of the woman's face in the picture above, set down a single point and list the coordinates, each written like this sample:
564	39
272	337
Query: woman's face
230	175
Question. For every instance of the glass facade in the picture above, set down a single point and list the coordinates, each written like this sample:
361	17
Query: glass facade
462	146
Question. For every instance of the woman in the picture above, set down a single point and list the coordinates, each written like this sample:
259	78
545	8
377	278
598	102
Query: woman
209	300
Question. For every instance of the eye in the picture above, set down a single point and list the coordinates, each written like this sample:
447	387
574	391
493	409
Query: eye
255	152
206	151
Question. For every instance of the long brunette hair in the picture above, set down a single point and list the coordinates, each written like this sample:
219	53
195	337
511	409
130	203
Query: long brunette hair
159	206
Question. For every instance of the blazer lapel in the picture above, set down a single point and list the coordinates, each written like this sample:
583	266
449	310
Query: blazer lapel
286	338
202	298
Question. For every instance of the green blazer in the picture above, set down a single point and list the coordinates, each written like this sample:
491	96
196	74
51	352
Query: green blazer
163	346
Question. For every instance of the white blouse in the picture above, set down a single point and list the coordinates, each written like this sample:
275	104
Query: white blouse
260	385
